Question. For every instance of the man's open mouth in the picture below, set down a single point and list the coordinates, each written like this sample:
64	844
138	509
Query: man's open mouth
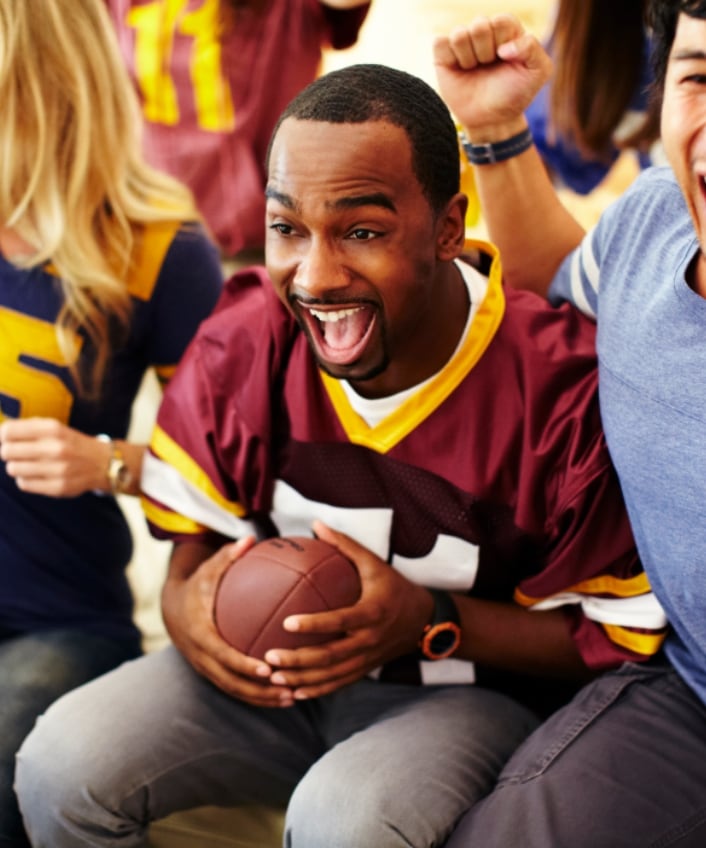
339	333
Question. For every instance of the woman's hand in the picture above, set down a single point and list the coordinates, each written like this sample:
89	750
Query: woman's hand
46	457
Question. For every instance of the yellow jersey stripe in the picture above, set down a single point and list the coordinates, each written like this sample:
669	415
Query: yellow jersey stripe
164	373
169	451
170	521
152	245
646	644
604	584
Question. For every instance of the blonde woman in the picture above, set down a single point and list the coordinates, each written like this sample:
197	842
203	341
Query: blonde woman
104	272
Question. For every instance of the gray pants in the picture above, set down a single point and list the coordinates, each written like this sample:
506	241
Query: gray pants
623	766
375	764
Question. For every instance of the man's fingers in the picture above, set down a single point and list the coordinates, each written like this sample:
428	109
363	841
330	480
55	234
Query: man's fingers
478	43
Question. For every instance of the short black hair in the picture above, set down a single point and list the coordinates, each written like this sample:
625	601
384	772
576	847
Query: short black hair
662	16
360	93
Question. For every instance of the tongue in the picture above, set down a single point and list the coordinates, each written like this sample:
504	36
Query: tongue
346	332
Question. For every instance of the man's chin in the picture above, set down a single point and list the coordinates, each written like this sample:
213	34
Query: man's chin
354	373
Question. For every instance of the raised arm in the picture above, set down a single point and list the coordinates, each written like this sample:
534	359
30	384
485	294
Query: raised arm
488	73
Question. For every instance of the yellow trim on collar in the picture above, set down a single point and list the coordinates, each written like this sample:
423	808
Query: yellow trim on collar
152	244
164	373
419	406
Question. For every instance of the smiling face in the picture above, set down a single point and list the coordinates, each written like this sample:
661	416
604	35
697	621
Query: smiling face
355	250
684	126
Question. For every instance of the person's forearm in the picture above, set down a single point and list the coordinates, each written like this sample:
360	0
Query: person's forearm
133	456
488	73
186	558
524	216
507	636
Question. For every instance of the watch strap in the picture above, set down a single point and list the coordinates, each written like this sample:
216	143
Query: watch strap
496	151
444	607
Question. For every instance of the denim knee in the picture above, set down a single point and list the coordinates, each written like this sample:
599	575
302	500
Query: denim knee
328	809
51	795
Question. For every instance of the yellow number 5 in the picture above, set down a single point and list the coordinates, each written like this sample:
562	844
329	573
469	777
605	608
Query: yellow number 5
37	392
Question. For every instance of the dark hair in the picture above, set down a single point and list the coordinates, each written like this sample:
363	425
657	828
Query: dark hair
599	48
662	16
360	93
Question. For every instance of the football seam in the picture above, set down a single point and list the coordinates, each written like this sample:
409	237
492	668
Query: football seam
283	601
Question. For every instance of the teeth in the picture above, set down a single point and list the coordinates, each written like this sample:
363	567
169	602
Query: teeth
335	315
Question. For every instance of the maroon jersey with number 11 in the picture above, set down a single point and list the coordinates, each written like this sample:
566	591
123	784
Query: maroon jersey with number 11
212	86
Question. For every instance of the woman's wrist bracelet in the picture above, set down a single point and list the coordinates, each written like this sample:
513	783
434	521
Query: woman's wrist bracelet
496	151
117	474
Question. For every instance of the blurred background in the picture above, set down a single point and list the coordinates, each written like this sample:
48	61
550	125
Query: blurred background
399	33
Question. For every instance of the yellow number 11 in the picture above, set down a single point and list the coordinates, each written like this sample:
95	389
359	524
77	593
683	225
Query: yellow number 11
156	25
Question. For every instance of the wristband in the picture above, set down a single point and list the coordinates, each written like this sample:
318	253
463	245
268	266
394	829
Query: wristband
496	151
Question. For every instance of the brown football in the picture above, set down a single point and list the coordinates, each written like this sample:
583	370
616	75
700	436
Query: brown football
276	578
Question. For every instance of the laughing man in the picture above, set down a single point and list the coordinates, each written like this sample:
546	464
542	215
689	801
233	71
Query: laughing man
377	384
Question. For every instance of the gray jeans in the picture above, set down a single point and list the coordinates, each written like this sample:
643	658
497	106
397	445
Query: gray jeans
36	669
622	766
375	764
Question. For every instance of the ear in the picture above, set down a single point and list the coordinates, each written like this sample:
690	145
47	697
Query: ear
451	229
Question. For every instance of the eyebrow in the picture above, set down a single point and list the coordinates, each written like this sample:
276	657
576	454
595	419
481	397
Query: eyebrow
687	53
377	198
284	199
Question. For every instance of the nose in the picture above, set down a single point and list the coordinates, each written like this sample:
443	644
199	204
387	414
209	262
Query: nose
321	270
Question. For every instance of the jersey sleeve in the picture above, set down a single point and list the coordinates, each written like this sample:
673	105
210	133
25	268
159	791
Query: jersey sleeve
187	289
593	572
618	242
207	470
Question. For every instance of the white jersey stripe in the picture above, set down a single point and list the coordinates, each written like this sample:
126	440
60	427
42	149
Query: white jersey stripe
163	483
578	294
643	611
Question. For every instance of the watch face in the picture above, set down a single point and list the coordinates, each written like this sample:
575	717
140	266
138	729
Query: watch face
124	478
441	640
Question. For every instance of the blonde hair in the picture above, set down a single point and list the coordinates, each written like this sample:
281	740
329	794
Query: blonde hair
73	183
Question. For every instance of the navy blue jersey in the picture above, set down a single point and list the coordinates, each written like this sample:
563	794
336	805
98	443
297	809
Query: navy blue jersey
62	560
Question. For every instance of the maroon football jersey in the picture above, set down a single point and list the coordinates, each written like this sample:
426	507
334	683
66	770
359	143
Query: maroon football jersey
493	479
212	89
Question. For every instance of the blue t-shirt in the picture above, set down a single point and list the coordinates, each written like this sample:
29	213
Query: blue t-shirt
62	560
629	273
